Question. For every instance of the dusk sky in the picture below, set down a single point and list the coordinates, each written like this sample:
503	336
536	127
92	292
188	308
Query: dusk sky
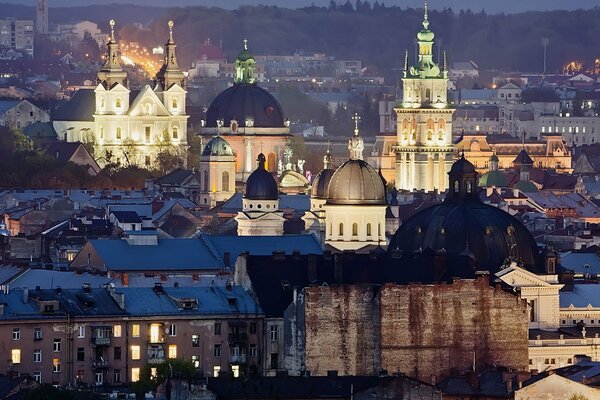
488	5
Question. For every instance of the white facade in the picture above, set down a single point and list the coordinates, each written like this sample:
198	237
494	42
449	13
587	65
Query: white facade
260	218
217	179
351	227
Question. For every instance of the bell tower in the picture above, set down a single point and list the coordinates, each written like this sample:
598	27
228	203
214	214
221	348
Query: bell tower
111	71
424	149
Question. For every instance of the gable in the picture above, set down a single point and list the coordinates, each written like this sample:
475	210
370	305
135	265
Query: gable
147	96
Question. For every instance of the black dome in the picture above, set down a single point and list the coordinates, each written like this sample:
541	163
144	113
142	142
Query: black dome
245	100
260	184
458	238
321	183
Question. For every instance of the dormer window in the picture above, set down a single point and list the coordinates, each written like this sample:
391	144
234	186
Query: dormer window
174	102
148	109
118	102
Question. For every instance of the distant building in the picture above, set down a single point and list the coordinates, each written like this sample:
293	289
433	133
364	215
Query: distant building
17	34
41	17
75	153
464	69
20	114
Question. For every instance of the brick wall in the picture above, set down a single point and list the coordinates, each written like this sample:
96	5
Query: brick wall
341	331
437	330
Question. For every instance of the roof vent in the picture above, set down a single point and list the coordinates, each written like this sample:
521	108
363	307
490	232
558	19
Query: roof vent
158	288
87	288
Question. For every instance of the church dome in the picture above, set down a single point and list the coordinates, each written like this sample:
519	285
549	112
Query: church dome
493	178
260	184
217	146
245	101
526	187
356	183
460	236
321	184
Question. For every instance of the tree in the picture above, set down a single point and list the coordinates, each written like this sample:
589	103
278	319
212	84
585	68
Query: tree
578	396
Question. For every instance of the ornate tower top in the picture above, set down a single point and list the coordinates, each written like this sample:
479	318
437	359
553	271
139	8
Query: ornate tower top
327	160
111	71
244	66
356	145
170	73
426	67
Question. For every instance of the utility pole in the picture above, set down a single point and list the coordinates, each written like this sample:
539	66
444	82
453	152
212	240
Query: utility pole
545	42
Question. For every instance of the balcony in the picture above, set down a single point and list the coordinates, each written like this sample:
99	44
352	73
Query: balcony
238	337
101	341
156	360
156	339
100	364
237	359
156	354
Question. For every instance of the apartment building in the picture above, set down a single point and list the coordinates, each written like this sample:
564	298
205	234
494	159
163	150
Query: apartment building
17	34
98	336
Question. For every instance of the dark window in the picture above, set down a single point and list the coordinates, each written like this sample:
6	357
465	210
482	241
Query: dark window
117	376
80	354
274	360
195	341
117	353
217	328
253	328
217	350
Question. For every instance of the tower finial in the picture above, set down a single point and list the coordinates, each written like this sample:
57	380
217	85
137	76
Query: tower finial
445	62
356	118
406	60
112	30
426	17
170	24
245	44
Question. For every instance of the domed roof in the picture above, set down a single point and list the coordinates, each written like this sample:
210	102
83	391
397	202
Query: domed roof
260	184
356	182
321	184
242	101
526	186
461	236
217	146
468	235
493	178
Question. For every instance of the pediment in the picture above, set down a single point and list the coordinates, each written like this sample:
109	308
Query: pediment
518	277
147	96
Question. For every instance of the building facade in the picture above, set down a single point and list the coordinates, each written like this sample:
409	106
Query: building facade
17	34
424	150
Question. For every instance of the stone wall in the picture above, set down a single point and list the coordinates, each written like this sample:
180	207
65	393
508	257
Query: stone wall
427	332
341	330
434	331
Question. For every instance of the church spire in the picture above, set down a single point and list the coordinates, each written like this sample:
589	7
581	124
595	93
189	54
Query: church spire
426	67
356	144
111	71
244	66
170	73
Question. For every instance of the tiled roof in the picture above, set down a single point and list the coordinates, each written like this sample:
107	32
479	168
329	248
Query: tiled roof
81	107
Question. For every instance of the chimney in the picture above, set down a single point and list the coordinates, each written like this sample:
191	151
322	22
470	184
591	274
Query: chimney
87	288
195	277
157	205
125	279
25	295
163	277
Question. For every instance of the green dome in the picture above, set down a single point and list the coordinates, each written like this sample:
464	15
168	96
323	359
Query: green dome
425	35
245	55
526	187
493	178
217	146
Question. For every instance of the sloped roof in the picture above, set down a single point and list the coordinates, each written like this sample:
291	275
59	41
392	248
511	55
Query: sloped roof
6	105
168	254
81	107
130	217
175	177
63	151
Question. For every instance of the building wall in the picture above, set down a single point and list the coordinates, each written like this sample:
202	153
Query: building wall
23	115
435	330
341	330
555	387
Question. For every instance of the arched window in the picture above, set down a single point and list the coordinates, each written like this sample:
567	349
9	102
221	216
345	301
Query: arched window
428	95
102	102
369	230
469	186
225	181
118	102
206	188
341	229
101	132
355	229
174	102
456	186
118	134
175	132
148	108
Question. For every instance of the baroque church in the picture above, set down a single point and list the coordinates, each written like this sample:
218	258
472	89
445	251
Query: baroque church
128	126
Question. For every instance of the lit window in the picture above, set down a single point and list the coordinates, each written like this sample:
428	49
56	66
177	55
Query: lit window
175	132
154	333
117	331
196	361
118	133
135	330
172	351
56	365
135	352
118	102
153	372
216	371
135	374
174	102
15	355
235	369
